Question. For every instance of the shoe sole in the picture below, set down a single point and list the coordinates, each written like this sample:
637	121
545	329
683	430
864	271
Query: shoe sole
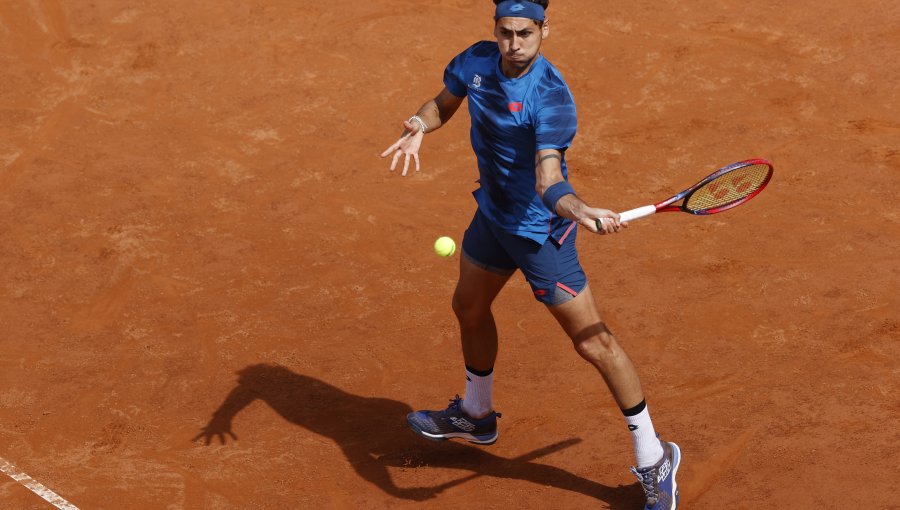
485	440
676	463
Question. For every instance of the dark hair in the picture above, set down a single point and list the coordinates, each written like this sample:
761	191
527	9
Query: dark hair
543	3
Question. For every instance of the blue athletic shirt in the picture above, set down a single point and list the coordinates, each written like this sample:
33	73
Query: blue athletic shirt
513	118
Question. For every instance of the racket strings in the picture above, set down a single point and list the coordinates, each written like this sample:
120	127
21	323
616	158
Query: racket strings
729	188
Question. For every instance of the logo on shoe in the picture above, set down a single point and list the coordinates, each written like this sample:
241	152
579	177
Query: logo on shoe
462	423
664	470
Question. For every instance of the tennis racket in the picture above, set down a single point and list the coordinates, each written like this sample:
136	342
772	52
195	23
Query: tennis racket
723	189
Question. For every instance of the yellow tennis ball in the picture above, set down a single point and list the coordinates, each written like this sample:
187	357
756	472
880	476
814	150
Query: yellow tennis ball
444	246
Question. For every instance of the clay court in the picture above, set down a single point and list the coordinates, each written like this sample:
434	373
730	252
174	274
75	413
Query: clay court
199	244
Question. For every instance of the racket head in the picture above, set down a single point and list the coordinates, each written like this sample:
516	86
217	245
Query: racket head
728	187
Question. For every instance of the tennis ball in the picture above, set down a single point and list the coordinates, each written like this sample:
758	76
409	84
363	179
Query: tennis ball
444	246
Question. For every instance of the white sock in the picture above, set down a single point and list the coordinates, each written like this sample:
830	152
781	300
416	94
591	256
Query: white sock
647	448
478	401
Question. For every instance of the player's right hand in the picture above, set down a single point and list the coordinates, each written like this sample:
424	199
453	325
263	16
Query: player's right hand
603	221
408	145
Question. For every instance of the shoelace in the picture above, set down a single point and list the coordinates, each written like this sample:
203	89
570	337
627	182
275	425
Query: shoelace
455	403
648	482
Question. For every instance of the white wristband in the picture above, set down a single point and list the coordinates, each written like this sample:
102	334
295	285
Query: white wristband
420	121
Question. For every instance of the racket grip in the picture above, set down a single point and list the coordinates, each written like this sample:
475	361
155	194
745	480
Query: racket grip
634	214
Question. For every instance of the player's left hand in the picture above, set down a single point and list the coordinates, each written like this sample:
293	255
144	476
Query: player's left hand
408	145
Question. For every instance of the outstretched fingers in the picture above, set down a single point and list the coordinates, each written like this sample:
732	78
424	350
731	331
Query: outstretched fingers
392	148
415	157
405	165
407	145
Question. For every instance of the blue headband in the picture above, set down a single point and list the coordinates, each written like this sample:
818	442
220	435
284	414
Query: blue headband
519	9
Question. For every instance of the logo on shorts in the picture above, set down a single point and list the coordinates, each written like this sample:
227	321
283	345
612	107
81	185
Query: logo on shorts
476	81
540	292
515	107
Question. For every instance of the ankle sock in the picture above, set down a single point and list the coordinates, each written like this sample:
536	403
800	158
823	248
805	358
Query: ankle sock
647	449
478	401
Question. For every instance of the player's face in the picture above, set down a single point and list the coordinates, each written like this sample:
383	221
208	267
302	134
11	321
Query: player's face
519	40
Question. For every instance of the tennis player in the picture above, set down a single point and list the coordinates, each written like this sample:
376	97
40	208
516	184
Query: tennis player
522	121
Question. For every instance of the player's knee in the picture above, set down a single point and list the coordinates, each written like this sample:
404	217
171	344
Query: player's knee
590	351
469	311
597	348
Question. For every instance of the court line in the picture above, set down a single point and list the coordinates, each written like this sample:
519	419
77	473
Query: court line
35	486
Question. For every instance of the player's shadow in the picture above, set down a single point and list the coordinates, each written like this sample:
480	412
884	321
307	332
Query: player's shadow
373	435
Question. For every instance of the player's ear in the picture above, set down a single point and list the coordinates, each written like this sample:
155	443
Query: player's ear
545	29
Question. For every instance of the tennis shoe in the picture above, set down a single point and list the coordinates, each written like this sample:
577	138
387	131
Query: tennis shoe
453	422
658	481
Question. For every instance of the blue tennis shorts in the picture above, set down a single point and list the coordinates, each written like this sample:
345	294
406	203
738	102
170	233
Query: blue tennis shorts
552	269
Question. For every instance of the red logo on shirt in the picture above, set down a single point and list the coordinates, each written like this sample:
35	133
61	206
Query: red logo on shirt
515	107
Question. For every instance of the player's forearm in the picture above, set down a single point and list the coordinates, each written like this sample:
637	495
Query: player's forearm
436	112
573	208
429	117
565	203
556	193
551	186
559	197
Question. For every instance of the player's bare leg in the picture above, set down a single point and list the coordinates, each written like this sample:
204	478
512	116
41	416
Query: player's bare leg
475	292
657	461
580	320
472	418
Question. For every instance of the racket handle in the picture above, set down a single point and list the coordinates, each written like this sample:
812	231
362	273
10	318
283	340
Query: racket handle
634	214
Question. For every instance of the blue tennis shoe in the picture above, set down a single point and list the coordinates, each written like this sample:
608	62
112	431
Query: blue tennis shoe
659	481
453	422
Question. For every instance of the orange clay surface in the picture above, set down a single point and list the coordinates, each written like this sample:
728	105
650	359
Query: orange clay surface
199	241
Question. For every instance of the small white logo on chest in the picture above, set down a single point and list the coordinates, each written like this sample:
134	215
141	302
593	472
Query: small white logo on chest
476	81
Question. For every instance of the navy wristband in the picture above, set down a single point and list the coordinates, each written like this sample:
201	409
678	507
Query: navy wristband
555	192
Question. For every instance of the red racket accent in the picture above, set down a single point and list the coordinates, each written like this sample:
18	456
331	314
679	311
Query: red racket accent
725	188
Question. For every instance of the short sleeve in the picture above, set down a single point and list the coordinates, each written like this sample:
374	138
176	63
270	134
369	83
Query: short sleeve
453	76
556	120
